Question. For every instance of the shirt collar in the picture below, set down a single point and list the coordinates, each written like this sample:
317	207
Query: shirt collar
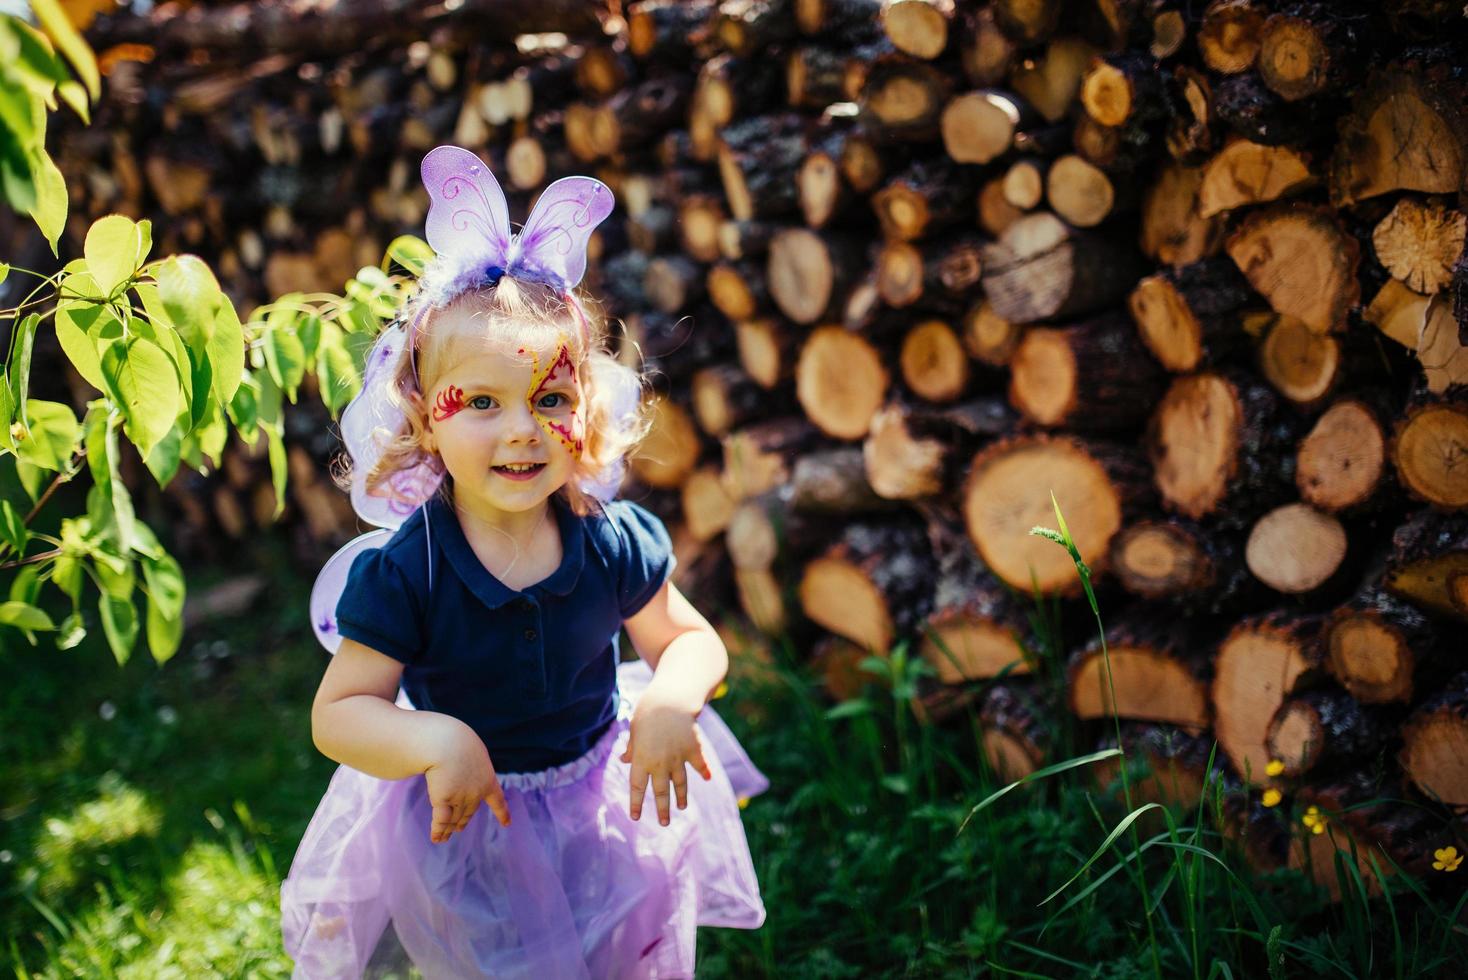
490	590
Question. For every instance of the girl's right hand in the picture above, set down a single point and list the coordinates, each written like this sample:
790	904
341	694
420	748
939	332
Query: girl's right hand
461	777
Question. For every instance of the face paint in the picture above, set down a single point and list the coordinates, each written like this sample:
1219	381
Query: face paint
449	403
561	369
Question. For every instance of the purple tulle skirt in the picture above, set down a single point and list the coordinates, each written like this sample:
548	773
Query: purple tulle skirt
572	888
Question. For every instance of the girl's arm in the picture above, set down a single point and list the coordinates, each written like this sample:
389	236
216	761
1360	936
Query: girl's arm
355	722
687	657
688	661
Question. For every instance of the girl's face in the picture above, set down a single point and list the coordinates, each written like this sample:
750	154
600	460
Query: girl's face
508	425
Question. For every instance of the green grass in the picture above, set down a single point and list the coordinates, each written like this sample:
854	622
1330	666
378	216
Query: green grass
146	816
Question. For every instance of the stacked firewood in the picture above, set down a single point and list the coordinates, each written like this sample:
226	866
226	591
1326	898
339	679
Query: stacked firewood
903	270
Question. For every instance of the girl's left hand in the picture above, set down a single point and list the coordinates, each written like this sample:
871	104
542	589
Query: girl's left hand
663	740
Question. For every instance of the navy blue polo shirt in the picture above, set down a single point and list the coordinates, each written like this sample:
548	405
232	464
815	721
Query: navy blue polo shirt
534	671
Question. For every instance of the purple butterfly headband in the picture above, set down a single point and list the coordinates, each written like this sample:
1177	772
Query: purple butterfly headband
468	227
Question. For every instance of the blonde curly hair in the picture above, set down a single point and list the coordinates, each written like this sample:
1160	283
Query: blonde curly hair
514	314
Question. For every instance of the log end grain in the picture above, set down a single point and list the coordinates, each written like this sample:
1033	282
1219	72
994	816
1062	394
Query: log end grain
1295	549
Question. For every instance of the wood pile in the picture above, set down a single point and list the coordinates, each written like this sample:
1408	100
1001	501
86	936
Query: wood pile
903	269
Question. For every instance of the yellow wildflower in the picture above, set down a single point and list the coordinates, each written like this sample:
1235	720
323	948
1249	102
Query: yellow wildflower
1448	859
1314	820
1275	768
1271	797
720	691
743	802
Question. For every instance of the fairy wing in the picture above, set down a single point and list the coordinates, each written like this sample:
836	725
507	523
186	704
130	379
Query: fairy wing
552	245
332	582
467	217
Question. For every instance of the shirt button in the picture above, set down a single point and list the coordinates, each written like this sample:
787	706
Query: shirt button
530	634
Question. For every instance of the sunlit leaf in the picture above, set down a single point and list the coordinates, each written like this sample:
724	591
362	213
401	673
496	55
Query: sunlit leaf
54	22
336	372
50	436
18	371
143	381
73	630
25	617
51	201
279	469
114	249
285	358
226	351
75	322
410	252
12	527
120	624
191	296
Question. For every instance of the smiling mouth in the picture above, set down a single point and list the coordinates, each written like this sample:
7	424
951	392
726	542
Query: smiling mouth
519	469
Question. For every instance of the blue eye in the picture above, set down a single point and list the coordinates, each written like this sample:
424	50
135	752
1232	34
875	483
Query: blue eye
554	404
481	402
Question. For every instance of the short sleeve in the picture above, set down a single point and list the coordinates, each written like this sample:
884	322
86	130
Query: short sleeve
379	607
644	555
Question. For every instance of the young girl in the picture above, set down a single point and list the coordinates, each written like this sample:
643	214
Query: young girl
488	815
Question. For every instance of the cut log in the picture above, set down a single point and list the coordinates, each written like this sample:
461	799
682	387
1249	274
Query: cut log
1357	819
724	397
766	351
706	504
1372	646
1296	549
840	382
1050	82
1213	440
1435	745
747	27
762	600
1230	35
1006	495
920	28
1420	243
700	216
915	452
808	274
985	51
1092	376
1190	565
639	115
978	127
1041	269
1262	662
1189	317
988	337
933	276
1173	232
934	365
670	452
1323	729
1245	172
1309	48
666	31
738	290
1429	562
977	629
872	586
673	283
834	481
1154	675
731	88
1016	733
903	99
1027	22
756	458
1081	193
1374	156
758	160
995	213
922	200
1430	452
1024	183
1399	313
1302	260
1442	347
1300	363
1341	464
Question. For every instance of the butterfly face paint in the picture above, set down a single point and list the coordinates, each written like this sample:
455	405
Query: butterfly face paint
565	426
450	402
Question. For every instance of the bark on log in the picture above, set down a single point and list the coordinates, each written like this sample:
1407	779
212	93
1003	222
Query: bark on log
1373	644
1435	745
1429	563
1040	269
1324	729
1092	376
872	586
1188	318
1155	675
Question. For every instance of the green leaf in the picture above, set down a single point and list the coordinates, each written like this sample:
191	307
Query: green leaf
49	209
7	415
25	617
73	631
67	576
75	95
336	372
19	369
285	357
143	381
226	351
1116	832
115	575
54	22
309	330
113	517
191	296
210	435
244	409
114	249
166	593
16	183
12	527
75	322
163	461
1037	775
50	436
279	468
4	272
164	633
120	624
27	585
410	252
